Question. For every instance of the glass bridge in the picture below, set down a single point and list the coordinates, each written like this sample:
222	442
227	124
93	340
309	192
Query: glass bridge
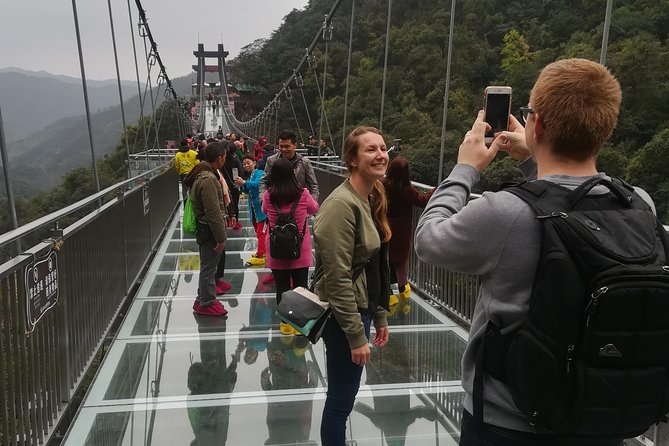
174	377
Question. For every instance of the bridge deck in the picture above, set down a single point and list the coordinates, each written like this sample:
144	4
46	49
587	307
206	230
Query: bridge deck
171	377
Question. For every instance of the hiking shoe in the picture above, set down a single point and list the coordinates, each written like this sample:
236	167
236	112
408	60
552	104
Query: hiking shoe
215	309
256	261
237	225
268	279
406	292
222	286
394	300
285	328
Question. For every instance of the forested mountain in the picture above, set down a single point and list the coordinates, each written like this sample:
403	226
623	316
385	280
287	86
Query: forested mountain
40	159
32	100
496	42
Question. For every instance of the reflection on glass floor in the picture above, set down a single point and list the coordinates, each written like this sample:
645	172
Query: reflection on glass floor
173	377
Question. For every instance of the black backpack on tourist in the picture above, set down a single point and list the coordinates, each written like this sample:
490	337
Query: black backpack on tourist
285	239
592	358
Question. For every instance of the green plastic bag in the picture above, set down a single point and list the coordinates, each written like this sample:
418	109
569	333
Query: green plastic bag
189	222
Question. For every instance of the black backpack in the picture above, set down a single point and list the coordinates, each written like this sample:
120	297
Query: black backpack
592	358
285	240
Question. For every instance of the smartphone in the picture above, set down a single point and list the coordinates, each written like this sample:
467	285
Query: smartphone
235	173
497	107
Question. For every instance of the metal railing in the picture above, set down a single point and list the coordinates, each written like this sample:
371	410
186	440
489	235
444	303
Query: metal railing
455	293
102	256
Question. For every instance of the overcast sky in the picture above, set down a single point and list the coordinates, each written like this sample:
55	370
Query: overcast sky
40	35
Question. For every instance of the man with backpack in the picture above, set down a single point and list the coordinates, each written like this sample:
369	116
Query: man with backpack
206	194
568	342
304	171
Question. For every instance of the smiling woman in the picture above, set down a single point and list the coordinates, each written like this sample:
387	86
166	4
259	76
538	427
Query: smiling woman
351	234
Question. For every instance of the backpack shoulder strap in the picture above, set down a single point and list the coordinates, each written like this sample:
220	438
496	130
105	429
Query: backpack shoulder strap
542	196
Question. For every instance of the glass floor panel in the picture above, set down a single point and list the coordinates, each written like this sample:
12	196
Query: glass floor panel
166	367
184	284
237	233
172	377
246	313
398	418
191	262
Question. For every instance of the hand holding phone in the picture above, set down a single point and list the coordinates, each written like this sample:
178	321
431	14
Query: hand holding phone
497	108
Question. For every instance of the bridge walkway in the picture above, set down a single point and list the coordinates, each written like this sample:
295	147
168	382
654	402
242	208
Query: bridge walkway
173	377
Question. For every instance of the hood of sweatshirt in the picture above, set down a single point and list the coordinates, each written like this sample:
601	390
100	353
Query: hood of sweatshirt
200	167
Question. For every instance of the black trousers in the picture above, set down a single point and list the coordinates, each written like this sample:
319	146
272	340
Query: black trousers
300	277
490	435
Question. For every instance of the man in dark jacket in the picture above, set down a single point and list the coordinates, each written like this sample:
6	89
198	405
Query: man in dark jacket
304	171
209	206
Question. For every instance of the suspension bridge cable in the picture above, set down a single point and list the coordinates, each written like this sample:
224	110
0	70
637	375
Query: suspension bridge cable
120	90
302	61
446	90
289	96
321	96
8	183
139	91
154	46
300	84
385	66
150	62
348	74
86	104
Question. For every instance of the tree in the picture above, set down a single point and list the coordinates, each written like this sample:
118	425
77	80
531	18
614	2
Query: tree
648	168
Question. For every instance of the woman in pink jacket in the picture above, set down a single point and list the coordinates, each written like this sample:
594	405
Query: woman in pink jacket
283	192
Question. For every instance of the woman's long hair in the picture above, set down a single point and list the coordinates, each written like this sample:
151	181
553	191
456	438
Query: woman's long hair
284	186
378	201
397	178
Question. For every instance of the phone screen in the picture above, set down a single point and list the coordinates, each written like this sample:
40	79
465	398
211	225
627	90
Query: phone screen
235	173
497	112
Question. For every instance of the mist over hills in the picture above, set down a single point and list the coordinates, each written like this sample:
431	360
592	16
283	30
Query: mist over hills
39	157
33	100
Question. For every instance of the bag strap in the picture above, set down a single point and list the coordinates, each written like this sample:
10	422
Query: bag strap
581	191
318	275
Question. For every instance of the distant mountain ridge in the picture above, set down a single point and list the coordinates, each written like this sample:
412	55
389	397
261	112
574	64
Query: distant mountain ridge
38	160
68	79
33	100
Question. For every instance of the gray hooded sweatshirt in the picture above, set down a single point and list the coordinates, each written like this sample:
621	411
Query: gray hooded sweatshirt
497	237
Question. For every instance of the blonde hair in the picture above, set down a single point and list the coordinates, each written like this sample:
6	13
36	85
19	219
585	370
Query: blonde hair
578	101
379	202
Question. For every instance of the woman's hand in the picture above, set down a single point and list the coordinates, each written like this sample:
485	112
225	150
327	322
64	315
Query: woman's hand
240	182
360	355
381	337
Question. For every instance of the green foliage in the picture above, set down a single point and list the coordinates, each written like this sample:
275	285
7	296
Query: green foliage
79	183
648	169
495	42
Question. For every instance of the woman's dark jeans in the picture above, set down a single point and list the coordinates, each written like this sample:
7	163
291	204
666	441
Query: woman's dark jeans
343	383
496	436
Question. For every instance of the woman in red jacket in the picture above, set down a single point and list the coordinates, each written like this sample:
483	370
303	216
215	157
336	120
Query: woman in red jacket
401	198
